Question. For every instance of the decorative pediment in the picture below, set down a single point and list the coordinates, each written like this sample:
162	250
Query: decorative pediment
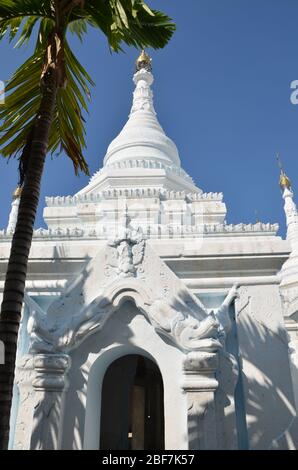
128	268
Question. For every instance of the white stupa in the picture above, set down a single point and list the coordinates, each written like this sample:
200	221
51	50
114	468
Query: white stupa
142	151
149	321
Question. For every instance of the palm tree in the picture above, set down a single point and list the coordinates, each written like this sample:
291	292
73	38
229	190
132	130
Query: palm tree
43	113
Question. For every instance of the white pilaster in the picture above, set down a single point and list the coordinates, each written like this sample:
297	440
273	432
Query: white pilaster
200	385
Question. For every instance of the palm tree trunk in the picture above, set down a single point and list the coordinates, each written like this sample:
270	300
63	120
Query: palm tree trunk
21	243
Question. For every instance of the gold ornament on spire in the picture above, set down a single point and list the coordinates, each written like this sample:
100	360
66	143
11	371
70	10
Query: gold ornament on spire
284	180
17	192
144	62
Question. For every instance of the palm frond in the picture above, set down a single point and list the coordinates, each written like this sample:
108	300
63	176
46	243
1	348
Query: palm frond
131	22
123	21
23	97
78	27
20	16
68	130
21	104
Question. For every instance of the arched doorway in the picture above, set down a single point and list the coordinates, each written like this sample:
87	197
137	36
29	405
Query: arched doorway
132	406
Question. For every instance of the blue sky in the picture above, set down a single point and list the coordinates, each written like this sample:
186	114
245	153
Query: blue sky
222	93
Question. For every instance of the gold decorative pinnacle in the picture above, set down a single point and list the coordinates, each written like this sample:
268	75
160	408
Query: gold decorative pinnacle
144	61
284	180
17	192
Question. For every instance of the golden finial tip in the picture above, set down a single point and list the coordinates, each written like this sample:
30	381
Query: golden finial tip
284	181
17	192
144	61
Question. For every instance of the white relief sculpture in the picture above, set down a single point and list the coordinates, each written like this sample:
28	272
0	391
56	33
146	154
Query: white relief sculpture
143	94
126	249
155	231
222	313
186	331
177	323
46	336
189	332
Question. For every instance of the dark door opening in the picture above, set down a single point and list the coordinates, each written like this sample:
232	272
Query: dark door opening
132	407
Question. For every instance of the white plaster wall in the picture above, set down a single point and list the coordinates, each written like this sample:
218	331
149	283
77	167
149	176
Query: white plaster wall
293	334
126	332
263	344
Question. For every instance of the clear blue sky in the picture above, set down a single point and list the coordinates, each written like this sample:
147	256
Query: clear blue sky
222	93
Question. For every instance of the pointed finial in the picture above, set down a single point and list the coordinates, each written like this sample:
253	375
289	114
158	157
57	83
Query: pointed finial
284	180
144	62
257	216
17	192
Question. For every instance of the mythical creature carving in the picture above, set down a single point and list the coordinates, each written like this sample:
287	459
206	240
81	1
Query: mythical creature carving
187	331
171	319
222	313
126	250
63	336
171	316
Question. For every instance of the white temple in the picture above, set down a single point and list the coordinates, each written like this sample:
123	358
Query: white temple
149	322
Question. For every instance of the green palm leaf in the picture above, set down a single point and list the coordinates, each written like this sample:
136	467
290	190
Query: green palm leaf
43	112
22	104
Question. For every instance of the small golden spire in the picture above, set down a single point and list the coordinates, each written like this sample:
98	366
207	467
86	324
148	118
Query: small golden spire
284	180
144	61
17	192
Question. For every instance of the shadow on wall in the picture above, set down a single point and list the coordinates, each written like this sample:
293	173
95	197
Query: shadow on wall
45	411
79	378
87	386
267	385
262	392
264	415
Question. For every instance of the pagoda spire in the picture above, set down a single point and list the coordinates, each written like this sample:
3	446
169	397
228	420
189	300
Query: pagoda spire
142	155
284	181
289	270
289	207
142	137
12	221
143	79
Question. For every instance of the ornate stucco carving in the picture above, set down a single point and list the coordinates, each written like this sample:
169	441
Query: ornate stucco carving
289	271
24	374
200	385
154	231
126	251
165	301
131	193
50	384
50	372
187	332
222	312
143	96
